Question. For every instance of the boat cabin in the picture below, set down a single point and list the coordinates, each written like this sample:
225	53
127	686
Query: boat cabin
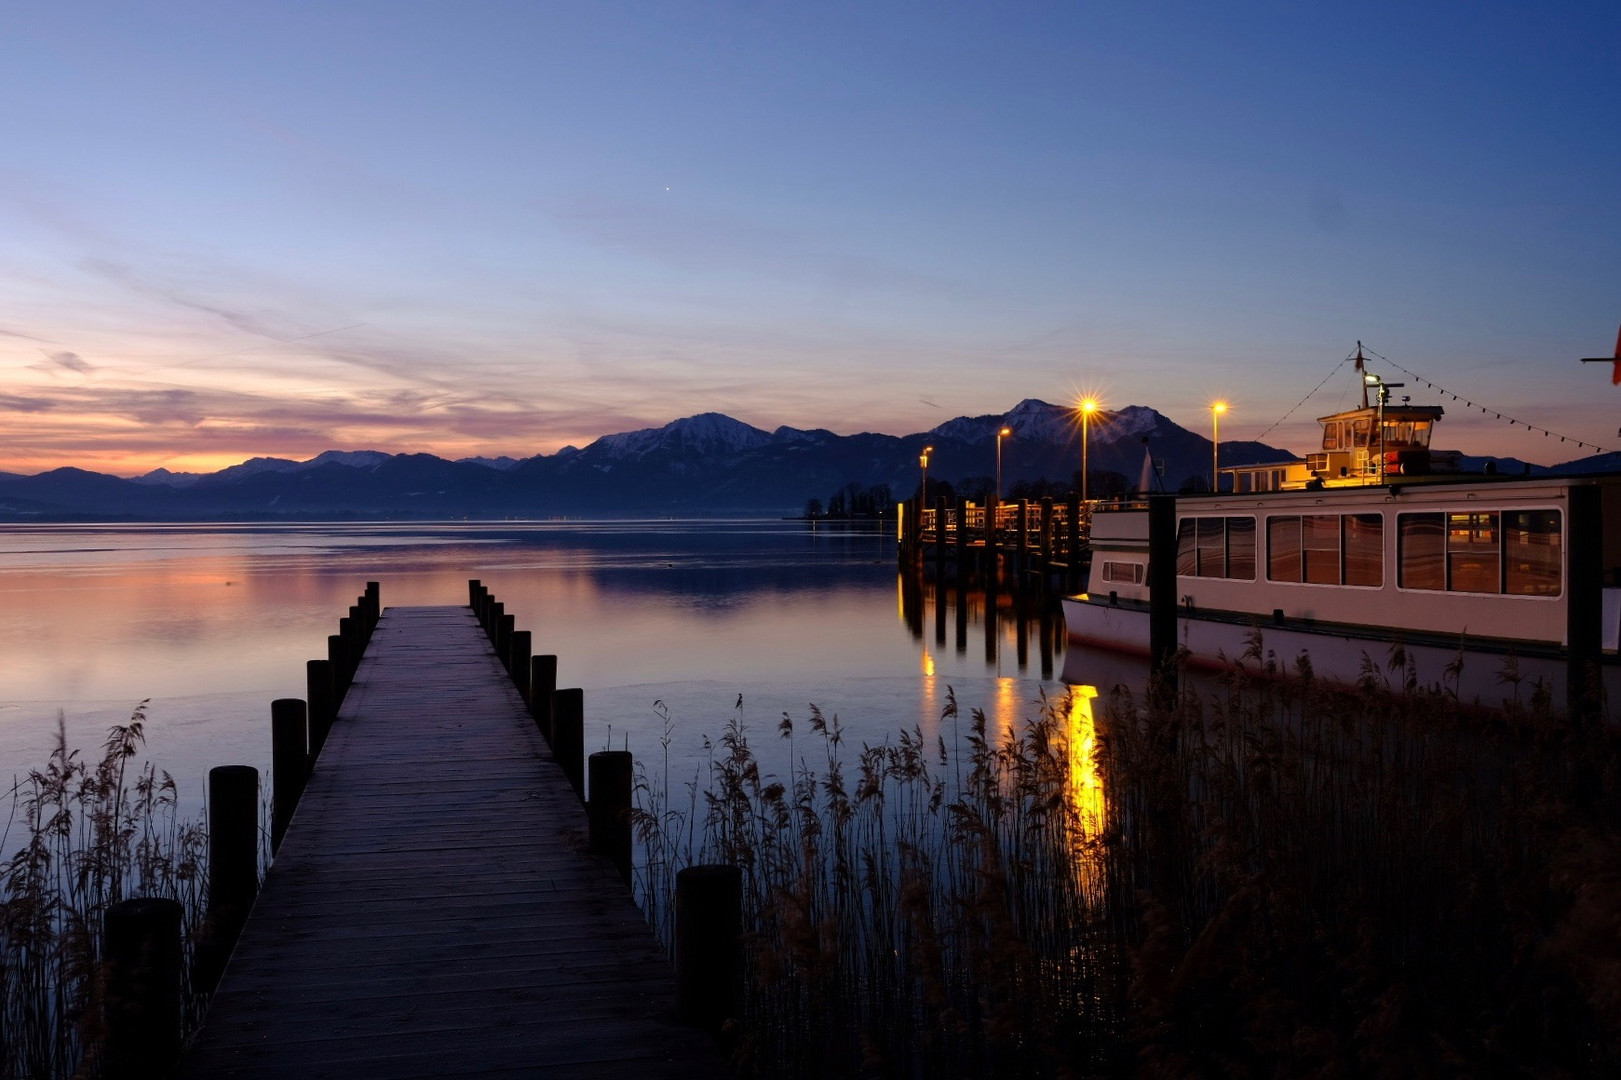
1360	447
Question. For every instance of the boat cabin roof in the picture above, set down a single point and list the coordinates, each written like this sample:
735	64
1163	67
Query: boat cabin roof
1393	413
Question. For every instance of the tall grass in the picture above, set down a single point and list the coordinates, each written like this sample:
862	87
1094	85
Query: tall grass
85	834
1265	876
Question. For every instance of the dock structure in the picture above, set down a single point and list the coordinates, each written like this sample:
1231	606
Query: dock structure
1041	543
432	909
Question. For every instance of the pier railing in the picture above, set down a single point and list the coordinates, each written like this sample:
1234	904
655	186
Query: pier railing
1045	541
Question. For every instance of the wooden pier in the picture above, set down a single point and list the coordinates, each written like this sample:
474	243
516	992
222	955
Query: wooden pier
432	910
1045	543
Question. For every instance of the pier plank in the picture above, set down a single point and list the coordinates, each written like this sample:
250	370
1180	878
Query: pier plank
432	910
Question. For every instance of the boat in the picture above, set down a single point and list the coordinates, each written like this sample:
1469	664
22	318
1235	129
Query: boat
1375	558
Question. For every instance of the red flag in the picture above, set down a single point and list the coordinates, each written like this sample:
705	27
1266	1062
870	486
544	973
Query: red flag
1615	380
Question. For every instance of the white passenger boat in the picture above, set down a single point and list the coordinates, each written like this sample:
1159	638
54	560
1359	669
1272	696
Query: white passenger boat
1370	551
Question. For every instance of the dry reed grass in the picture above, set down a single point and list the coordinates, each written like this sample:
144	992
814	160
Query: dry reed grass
1286	880
91	834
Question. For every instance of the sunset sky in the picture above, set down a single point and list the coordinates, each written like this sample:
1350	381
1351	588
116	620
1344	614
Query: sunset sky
230	230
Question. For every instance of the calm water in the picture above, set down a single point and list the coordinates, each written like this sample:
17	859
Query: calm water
211	622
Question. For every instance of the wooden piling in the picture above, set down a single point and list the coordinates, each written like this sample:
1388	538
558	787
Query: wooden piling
608	809
492	626
518	661
1072	543
320	708
141	960
568	735
503	640
1162	588
940	538
473	586
542	688
290	763
1584	609
337	651
233	866
708	944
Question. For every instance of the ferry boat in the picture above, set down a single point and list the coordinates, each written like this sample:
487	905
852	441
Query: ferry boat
1372	554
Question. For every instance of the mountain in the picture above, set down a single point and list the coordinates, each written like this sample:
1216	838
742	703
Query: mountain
704	464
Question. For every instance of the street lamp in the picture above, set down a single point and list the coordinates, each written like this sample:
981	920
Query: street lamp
923	462
1000	435
1088	406
1216	409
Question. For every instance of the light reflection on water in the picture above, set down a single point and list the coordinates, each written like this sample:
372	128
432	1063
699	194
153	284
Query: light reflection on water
213	621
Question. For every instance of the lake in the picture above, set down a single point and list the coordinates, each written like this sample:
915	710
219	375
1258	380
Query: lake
211	622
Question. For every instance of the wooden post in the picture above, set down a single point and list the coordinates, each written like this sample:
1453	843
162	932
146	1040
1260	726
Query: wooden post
473	586
1584	610
337	655
542	687
290	763
1072	543
1021	558
1046	540
503	640
1162	588
233	866
141	967
708	944
965	553
940	538
374	598
497	612
518	662
608	809
318	693
993	540
568	736
351	651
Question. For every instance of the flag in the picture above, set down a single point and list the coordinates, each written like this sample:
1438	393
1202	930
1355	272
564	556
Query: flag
1145	480
1615	380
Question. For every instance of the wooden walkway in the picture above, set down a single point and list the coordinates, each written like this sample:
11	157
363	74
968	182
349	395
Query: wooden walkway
432	911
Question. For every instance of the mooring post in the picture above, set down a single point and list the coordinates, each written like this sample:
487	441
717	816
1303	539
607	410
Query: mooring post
497	612
1046	541
1072	543
542	688
318	695
568	735
993	539
290	763
708	944
351	651
965	552
233	866
336	655
1162	589
940	538
503	640
518	661
141	970
1584	608
374	598
608	809
473	585
1021	556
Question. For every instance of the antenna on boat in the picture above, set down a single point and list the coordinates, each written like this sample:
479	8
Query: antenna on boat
1361	369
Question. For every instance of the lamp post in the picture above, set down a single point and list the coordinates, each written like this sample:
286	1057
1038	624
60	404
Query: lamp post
1216	409
923	463
1000	435
1088	406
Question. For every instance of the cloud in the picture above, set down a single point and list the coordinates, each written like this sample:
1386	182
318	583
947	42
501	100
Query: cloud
68	360
16	403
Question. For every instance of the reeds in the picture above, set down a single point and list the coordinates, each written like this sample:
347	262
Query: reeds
91	834
1265	877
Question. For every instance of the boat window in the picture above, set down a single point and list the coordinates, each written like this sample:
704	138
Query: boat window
1216	547
1331	435
1326	549
1421	551
1283	548
1360	430
1321	547
1241	548
1123	573
1365	549
1187	555
1532	550
1473	543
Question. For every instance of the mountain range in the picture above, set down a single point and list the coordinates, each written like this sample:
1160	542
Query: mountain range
708	464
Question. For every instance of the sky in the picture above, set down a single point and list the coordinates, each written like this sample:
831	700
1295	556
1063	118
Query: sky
230	230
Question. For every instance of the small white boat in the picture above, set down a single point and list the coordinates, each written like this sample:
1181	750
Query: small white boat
1368	552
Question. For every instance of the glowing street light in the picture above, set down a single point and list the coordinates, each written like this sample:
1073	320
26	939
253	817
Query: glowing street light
923	462
1216	409
1000	435
1087	407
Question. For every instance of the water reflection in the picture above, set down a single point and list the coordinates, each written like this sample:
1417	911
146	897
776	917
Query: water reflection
1005	621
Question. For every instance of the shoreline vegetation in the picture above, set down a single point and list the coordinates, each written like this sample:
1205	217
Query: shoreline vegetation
82	835
1262	876
1273	877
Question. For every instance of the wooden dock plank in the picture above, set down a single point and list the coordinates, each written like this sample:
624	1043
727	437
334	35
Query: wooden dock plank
432	911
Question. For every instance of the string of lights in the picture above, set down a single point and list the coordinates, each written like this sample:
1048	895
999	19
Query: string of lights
1487	410
1331	373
